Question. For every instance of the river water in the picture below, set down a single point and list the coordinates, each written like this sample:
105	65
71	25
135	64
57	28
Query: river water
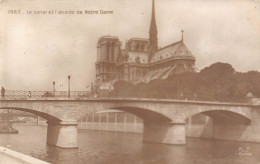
119	148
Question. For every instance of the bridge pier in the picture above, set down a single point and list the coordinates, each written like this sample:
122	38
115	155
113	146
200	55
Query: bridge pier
165	133
63	134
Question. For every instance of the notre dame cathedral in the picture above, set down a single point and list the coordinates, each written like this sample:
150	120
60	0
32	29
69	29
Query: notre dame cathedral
141	60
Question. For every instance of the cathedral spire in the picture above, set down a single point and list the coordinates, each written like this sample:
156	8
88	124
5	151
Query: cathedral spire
153	45
182	35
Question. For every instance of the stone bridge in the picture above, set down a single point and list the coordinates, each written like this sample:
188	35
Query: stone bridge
164	120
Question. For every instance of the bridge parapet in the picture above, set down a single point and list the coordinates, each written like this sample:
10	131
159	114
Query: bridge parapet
165	117
22	94
78	96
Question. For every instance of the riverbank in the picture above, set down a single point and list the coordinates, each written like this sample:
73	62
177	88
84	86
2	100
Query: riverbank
8	156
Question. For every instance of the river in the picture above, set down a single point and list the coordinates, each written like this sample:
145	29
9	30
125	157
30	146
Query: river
119	148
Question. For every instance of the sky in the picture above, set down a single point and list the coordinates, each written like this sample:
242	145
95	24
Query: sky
37	49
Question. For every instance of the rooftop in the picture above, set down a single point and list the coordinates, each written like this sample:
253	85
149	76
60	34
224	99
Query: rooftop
108	37
177	49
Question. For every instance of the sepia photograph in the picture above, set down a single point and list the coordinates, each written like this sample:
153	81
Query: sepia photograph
130	81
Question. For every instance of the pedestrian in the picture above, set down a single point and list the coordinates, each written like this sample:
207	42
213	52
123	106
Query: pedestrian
3	92
195	96
30	94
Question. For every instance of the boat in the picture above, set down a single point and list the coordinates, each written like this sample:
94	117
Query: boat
6	125
7	128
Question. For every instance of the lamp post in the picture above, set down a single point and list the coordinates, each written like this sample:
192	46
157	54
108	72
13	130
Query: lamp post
53	87
69	86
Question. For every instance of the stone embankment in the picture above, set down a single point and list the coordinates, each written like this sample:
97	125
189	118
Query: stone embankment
8	156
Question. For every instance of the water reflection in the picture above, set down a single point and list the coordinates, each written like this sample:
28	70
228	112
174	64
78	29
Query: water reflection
112	147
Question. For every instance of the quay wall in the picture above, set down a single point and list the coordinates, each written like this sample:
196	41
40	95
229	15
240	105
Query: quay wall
119	127
223	131
247	133
8	156
208	129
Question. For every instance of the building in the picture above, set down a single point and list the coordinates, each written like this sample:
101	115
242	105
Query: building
141	60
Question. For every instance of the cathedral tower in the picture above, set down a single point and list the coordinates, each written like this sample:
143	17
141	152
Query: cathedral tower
153	44
108	49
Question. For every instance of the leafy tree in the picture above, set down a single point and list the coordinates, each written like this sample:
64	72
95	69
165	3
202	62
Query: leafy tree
218	82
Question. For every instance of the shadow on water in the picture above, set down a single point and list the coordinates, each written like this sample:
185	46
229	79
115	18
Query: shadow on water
114	147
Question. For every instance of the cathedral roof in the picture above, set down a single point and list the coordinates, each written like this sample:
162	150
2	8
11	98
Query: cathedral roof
177	50
141	57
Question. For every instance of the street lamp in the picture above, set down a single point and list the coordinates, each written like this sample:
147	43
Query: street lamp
53	87
69	86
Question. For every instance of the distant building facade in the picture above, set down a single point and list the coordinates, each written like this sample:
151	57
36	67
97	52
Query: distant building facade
141	60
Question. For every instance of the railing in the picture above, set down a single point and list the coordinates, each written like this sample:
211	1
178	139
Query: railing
38	94
82	95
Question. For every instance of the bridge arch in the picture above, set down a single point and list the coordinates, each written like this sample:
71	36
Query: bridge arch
46	116
146	114
164	120
59	132
221	116
227	115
